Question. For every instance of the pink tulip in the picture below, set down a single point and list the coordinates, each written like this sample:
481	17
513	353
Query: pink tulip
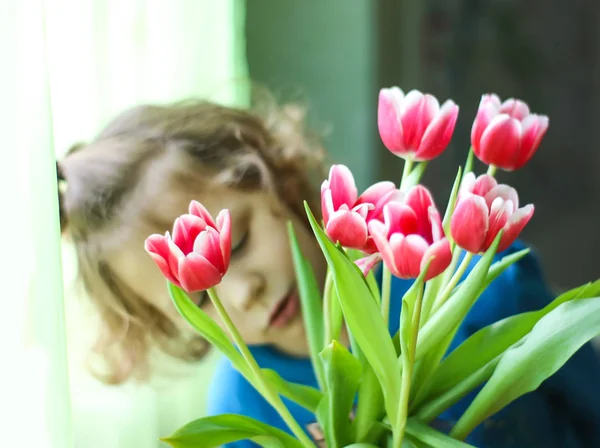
415	126
483	209
506	134
344	222
197	256
411	235
367	263
378	195
345	215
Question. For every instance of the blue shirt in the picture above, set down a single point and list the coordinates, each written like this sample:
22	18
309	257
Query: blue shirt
563	412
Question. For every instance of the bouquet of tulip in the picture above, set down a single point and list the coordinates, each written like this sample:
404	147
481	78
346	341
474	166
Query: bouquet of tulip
381	389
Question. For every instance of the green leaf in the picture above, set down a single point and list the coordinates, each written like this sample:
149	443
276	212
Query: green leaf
469	162
369	408
411	443
454	310
303	395
376	433
208	329
432	437
362	316
427	365
430	362
486	344
451	204
374	286
361	445
336	316
306	396
342	375
523	367
215	431
500	266
312	305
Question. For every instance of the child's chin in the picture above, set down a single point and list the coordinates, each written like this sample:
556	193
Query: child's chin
292	339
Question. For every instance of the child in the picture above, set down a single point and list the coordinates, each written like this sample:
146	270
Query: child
143	170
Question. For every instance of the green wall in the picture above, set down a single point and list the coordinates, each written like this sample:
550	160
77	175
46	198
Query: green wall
323	52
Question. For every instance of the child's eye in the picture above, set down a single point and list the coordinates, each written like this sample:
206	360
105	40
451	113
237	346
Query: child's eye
239	246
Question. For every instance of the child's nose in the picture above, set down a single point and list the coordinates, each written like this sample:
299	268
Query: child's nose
250	291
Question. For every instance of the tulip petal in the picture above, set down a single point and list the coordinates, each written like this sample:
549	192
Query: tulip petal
489	107
370	247
500	212
484	184
418	111
500	141
534	129
408	252
468	184
515	226
363	209
435	220
375	192
348	228
505	192
326	205
224	225
515	108
438	133
388	120
378	232
342	186
399	218
419	199
492	99
157	247
197	209
185	230
197	273
208	245
440	255
366	264
393	196
469	223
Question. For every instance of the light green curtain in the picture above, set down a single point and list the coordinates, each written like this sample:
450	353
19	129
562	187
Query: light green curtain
68	66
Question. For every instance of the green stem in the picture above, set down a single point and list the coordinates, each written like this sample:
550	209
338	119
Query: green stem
265	388
408	164
327	308
491	170
408	361
432	287
439	301
386	286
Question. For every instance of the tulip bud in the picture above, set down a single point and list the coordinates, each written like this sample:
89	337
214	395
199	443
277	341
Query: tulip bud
506	134
345	216
414	126
411	235
197	256
482	210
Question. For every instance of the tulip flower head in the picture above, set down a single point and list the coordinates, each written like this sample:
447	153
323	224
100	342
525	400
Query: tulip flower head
196	256
411	235
345	215
506	134
483	209
414	126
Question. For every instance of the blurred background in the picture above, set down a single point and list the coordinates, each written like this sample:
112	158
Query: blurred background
70	65
339	54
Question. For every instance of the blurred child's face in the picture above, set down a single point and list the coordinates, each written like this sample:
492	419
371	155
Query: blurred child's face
259	290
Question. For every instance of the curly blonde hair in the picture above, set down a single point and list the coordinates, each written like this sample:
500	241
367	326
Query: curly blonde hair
246	149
